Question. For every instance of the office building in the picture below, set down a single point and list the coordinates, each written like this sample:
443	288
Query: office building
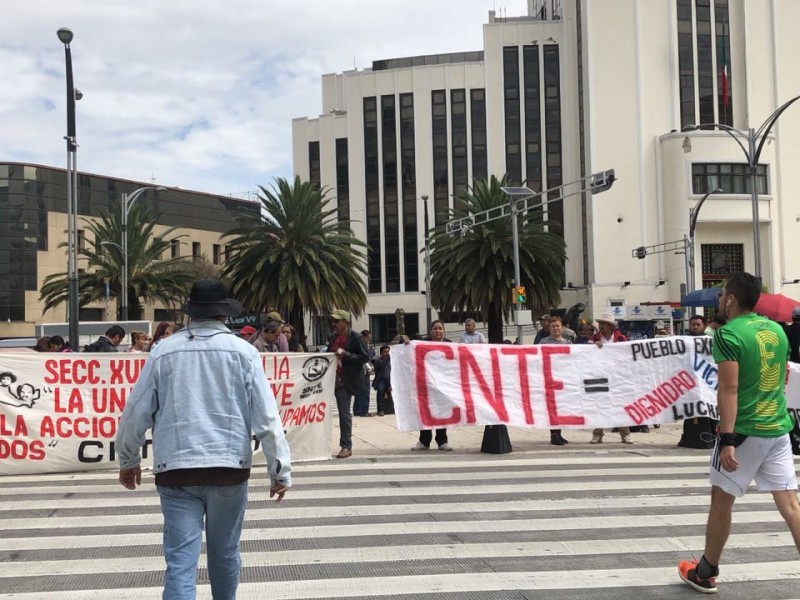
569	88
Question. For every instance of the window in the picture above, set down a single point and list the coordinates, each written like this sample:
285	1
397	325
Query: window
730	178
409	192
478	124
196	251
371	181
458	130
512	117
391	225
719	261
215	254
722	34
313	163
175	248
342	182
441	200
552	105
704	31
81	239
533	121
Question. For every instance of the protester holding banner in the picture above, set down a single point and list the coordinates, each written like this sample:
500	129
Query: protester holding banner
351	356
139	342
108	342
555	328
609	334
753	442
698	432
205	395
470	335
164	330
436	334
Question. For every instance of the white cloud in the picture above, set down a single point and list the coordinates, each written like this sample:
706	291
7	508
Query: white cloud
200	93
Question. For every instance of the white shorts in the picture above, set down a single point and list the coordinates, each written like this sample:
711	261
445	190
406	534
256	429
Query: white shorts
767	460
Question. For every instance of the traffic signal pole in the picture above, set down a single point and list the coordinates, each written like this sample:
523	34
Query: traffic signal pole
517	277
520	201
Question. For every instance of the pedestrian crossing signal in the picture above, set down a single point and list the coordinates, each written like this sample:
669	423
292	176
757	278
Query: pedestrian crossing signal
520	295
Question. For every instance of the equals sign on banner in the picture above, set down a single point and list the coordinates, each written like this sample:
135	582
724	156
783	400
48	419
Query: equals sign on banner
595	385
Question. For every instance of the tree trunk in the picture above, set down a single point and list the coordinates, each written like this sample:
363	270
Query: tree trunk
297	320
495	323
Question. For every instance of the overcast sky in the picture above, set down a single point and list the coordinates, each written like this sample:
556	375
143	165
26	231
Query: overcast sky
200	93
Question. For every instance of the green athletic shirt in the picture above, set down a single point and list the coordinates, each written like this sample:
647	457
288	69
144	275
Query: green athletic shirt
761	349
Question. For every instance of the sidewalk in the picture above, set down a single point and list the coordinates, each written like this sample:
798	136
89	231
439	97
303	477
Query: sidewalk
379	436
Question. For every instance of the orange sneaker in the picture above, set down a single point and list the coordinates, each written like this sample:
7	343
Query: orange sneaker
687	569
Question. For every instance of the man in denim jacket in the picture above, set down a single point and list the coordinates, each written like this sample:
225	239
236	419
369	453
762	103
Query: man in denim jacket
204	394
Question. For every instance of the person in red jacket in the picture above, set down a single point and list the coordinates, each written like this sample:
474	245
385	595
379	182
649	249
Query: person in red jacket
609	334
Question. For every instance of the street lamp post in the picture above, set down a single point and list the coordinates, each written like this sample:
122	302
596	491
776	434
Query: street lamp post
65	36
427	263
127	202
756	139
689	254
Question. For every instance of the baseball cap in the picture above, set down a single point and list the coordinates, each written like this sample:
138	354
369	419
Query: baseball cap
275	316
796	312
247	330
340	315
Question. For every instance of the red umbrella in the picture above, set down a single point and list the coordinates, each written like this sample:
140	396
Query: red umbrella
776	307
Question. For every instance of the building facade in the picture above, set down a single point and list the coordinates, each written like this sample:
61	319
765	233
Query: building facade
33	224
571	88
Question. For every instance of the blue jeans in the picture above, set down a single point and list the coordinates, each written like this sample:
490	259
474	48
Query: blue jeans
361	403
184	509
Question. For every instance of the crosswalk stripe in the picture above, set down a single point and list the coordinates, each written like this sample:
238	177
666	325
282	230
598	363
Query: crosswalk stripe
636	582
304	482
455	524
368	529
414	552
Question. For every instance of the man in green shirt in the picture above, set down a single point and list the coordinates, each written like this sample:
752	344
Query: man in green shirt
753	441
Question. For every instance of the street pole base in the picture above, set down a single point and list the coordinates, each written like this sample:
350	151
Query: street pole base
496	440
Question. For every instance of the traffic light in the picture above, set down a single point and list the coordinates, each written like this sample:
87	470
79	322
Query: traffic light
513	295
520	295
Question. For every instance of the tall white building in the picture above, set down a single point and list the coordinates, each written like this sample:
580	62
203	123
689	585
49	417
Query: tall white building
575	87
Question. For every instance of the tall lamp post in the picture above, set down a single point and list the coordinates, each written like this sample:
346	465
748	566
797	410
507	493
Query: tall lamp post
427	263
127	202
65	36
693	213
756	139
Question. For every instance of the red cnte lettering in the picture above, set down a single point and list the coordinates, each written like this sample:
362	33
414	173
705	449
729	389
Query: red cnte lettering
522	354
467	362
423	398
551	385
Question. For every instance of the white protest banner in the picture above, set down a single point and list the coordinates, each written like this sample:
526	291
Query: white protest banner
59	412
558	386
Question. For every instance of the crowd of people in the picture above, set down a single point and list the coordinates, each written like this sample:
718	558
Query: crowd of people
201	487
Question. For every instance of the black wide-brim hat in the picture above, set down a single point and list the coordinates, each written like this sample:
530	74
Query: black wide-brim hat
209	298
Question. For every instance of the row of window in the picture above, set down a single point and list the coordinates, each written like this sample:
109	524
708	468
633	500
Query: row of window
389	129
217	254
731	178
523	121
703	35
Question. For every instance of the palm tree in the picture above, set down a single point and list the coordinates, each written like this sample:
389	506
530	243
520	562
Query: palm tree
474	272
156	279
295	256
